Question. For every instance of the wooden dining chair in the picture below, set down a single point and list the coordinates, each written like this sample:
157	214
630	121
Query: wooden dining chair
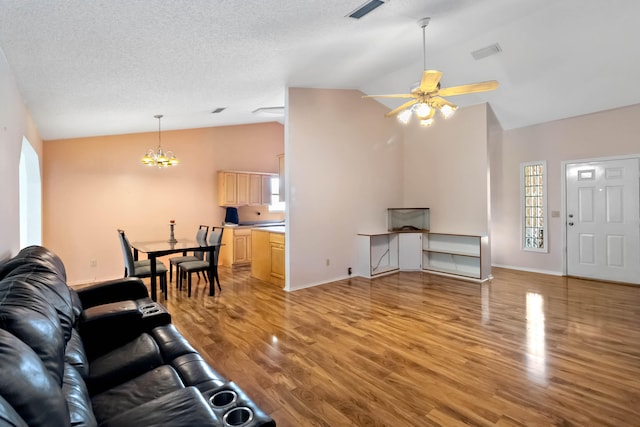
141	268
201	238
189	267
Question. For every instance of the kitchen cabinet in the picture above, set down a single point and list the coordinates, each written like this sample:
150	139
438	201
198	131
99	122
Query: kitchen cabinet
244	188
236	249
227	188
268	263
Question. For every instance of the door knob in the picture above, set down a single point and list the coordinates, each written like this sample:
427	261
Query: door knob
570	223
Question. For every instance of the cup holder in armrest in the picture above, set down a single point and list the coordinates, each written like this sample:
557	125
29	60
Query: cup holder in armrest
154	314
223	399
238	417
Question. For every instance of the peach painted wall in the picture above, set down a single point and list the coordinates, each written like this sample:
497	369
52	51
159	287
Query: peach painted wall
15	123
93	186
445	170
344	169
604	134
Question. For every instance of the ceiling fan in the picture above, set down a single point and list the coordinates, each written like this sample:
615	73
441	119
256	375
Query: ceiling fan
428	96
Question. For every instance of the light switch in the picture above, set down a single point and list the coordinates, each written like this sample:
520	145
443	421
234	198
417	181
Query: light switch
555	214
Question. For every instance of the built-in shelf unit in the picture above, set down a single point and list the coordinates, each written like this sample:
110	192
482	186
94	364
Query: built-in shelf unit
378	254
456	254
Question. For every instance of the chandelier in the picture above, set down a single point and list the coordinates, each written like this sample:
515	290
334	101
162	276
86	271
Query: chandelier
159	157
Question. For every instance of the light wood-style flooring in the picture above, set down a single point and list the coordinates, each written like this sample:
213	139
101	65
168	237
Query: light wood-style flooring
413	349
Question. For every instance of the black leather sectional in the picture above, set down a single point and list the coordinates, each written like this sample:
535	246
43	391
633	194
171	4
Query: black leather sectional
103	355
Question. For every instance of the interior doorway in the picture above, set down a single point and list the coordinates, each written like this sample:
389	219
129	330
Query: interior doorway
602	219
30	196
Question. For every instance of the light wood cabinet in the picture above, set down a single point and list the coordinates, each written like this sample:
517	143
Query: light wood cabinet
227	188
268	262
244	188
236	249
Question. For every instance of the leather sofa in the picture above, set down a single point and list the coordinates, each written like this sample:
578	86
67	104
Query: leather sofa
101	355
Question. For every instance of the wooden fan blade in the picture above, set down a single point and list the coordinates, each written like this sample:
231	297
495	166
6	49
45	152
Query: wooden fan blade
470	88
400	108
430	79
439	102
397	95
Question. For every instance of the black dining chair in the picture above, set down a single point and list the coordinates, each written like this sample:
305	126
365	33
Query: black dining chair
141	268
201	238
189	267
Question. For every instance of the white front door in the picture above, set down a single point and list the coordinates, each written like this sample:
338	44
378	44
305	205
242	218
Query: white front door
603	220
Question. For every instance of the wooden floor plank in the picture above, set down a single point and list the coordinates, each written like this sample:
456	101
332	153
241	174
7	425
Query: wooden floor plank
417	349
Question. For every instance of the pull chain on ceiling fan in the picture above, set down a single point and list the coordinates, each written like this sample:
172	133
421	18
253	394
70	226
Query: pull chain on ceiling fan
428	97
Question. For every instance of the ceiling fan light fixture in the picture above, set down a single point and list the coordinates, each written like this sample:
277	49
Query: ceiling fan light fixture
423	110
447	111
404	116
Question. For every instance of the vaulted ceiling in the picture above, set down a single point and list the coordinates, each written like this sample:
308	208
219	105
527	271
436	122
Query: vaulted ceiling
93	67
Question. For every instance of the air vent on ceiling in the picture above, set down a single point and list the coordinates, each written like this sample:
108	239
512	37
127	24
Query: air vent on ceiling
218	110
366	8
486	51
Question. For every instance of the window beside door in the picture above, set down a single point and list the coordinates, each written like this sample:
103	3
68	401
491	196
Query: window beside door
534	206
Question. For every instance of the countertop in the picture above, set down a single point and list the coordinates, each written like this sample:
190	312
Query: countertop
273	229
255	225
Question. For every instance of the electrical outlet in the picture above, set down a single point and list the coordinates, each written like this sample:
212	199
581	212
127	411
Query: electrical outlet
93	263
349	271
328	262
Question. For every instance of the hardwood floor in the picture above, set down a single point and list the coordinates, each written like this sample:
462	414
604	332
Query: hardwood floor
412	349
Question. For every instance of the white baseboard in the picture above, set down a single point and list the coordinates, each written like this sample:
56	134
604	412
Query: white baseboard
531	270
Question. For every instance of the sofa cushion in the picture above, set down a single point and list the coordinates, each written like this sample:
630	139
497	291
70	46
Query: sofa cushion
26	314
77	397
172	344
27	386
43	269
75	355
124	363
8	416
181	408
148	386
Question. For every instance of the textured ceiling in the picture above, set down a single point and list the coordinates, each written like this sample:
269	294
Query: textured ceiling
97	67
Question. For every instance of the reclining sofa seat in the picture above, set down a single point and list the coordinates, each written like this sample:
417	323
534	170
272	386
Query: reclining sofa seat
103	355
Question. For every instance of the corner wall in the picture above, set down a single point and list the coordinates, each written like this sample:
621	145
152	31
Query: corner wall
344	167
15	122
446	169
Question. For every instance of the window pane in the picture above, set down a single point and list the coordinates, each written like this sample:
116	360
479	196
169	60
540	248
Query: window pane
534	209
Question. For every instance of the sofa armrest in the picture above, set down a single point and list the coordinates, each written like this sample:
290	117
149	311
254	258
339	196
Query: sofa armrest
127	288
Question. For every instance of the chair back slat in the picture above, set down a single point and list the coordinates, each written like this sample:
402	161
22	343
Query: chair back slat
126	254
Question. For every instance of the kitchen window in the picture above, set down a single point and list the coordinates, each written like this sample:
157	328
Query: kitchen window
276	205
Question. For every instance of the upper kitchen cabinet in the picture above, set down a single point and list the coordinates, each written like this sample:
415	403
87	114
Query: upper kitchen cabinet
227	188
244	188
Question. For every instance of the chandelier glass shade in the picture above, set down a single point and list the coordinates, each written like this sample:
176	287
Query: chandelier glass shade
159	157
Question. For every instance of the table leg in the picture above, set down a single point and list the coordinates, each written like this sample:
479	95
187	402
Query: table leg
212	280
152	279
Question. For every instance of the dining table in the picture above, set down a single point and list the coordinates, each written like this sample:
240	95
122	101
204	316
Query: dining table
158	248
